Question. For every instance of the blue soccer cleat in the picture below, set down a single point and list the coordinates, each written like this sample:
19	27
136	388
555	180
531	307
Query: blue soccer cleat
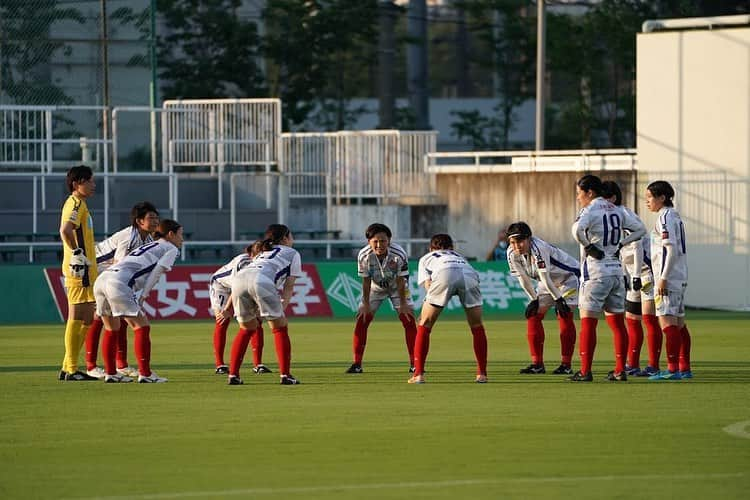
666	375
647	372
686	374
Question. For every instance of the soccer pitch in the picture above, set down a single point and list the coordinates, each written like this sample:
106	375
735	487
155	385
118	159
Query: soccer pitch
372	435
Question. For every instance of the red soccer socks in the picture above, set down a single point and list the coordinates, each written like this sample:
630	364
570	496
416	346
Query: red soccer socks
616	323
142	346
92	342
410	334
480	348
256	344
239	348
635	342
220	341
685	342
567	338
421	348
283	349
654	338
535	339
359	340
673	336
587	343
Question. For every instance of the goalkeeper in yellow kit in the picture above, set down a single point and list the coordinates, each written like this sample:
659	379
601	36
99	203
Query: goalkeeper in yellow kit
78	267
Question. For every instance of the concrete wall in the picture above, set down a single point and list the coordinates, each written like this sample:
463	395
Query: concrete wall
693	129
479	205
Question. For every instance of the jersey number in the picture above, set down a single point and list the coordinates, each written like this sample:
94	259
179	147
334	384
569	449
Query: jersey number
613	233
270	255
145	248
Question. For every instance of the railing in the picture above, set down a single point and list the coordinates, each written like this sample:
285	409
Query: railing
329	245
27	136
494	162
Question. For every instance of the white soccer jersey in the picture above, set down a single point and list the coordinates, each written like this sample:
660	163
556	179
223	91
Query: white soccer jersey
275	264
669	232
437	260
639	248
135	268
606	226
383	274
119	245
223	276
544	258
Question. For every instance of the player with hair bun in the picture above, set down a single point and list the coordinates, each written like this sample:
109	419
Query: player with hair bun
384	269
255	297
602	229
532	259
639	298
121	291
144	221
445	273
669	252
220	293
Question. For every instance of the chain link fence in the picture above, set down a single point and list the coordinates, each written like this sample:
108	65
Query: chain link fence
63	53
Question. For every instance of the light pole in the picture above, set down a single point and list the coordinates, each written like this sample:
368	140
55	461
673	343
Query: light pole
540	55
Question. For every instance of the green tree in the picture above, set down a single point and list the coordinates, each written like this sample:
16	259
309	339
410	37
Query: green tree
26	50
508	33
319	55
209	51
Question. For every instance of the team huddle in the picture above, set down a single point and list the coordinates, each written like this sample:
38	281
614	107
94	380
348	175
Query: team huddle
632	276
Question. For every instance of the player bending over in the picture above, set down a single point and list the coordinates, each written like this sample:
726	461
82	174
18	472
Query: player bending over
384	269
532	259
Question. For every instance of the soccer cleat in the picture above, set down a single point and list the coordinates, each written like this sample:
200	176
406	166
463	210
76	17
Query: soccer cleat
151	379
533	369
261	369
61	375
96	372
686	374
416	379
617	377
128	371
580	377
563	370
666	375
647	372
117	379
289	380
481	379
355	368
633	371
234	380
412	369
78	377
222	370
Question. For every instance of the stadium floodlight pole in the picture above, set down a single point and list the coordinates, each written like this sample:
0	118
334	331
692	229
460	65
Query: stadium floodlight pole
105	75
153	89
540	67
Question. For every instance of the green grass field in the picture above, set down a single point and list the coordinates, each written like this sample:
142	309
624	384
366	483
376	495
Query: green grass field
373	436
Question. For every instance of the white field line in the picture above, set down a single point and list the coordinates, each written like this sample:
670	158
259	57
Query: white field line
424	484
740	429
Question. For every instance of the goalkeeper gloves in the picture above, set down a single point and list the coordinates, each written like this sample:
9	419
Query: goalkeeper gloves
532	308
637	284
78	263
561	307
593	251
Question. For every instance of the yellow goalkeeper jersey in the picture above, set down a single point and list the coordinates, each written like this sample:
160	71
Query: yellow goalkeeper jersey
77	212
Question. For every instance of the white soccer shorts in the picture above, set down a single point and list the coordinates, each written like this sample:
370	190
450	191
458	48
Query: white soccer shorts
114	298
452	281
605	293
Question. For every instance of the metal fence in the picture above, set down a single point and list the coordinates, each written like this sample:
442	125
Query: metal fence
383	165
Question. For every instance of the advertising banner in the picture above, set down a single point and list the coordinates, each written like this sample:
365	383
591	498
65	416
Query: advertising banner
330	289
182	293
